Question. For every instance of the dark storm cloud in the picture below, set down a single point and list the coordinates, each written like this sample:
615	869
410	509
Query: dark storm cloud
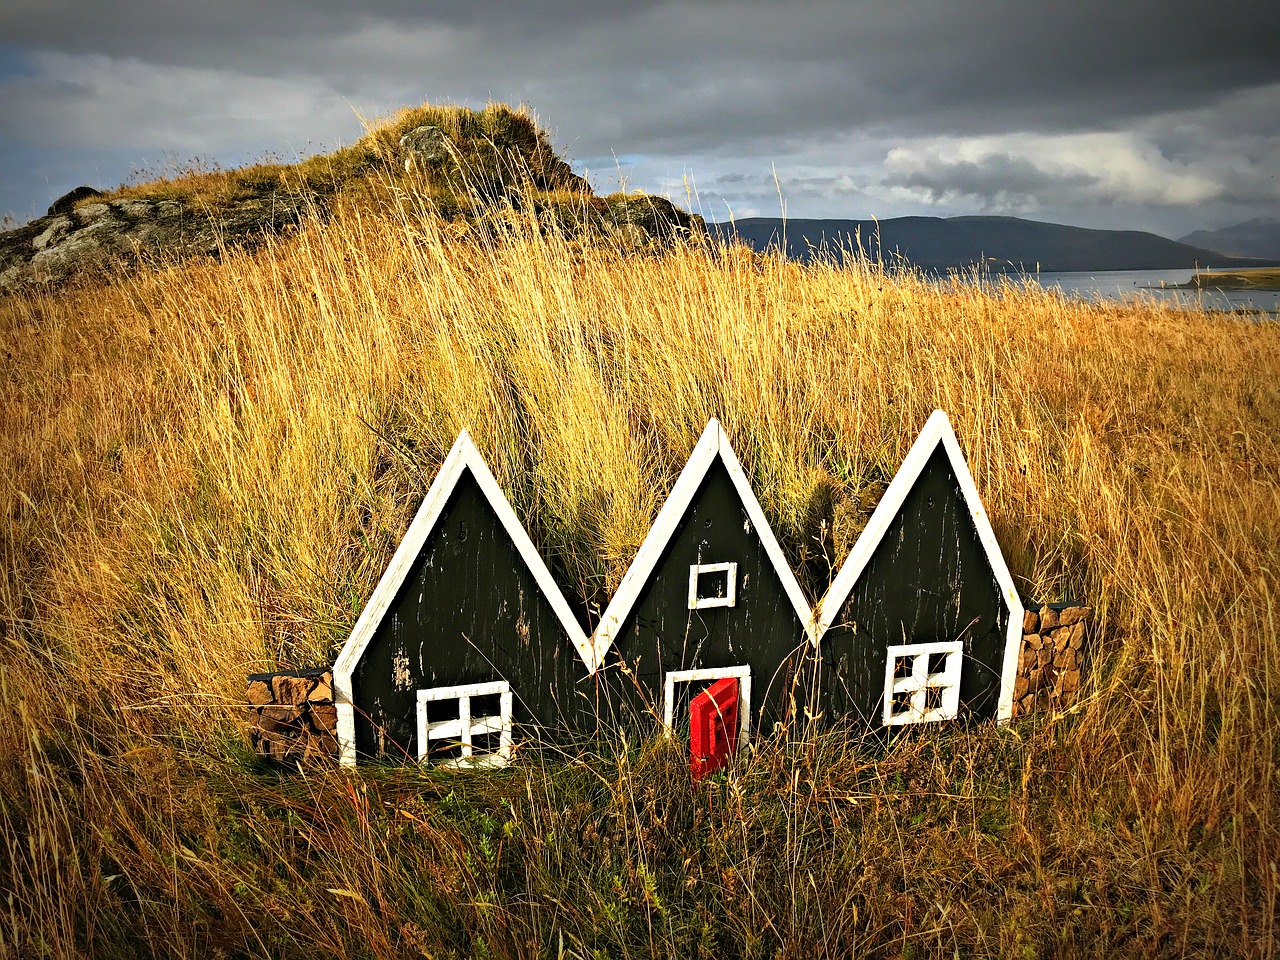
821	89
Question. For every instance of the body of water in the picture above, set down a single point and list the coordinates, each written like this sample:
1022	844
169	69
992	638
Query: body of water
1152	284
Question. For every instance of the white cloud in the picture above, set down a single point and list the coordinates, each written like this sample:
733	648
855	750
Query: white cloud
1017	171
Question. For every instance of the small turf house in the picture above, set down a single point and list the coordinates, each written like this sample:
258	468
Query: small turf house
923	622
466	639
708	628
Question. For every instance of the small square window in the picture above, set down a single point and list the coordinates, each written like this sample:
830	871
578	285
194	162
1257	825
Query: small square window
466	726
922	682
713	585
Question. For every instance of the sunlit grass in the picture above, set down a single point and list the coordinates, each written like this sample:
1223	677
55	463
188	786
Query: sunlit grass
206	469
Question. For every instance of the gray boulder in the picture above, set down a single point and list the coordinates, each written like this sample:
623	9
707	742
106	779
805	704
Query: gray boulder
425	146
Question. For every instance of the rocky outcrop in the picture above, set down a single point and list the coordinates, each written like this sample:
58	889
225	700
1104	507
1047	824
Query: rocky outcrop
84	236
67	202
638	218
473	165
425	147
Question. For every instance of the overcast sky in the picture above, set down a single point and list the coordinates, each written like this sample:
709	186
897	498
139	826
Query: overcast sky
1159	115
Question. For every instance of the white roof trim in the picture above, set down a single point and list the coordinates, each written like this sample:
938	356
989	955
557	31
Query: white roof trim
463	456
711	445
936	430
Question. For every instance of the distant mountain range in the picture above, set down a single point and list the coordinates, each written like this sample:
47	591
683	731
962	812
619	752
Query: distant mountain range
1253	238
1001	243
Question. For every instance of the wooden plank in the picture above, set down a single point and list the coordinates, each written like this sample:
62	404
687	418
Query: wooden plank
655	624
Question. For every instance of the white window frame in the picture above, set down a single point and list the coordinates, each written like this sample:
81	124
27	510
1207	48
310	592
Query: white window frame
731	592
920	682
742	674
466	726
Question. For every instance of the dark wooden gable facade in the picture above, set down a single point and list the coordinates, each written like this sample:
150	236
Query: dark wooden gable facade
465	615
708	596
923	622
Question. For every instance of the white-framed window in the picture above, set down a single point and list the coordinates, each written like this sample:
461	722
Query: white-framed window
713	585
922	682
466	726
703	679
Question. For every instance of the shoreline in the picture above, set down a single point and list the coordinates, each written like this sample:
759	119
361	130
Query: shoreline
1253	278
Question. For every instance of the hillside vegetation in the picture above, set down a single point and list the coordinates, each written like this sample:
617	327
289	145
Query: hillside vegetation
207	467
467	165
1261	279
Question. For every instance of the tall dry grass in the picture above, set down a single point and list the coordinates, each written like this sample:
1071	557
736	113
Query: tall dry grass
206	469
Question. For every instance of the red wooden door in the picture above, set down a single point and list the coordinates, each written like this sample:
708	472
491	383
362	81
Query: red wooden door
713	723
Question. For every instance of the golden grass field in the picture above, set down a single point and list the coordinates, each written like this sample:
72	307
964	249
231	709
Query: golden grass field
206	468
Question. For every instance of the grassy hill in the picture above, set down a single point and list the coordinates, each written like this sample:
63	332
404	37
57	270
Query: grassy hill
999	244
466	166
1259	237
207	467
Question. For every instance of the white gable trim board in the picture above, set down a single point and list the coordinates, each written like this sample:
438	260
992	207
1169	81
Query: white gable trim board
463	456
937	430
711	445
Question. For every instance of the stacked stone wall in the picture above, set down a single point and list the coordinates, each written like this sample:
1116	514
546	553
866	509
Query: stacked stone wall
1054	642
292	716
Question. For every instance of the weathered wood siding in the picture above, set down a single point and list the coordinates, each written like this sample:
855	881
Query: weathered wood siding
929	579
661	633
469	611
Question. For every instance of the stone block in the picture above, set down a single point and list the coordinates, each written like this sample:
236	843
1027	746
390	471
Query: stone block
322	692
1020	687
280	750
1061	639
323	744
281	719
1035	680
1045	656
258	693
1076	639
1070	682
1074	615
1066	660
1033	641
1048	618
324	718
1030	621
291	689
